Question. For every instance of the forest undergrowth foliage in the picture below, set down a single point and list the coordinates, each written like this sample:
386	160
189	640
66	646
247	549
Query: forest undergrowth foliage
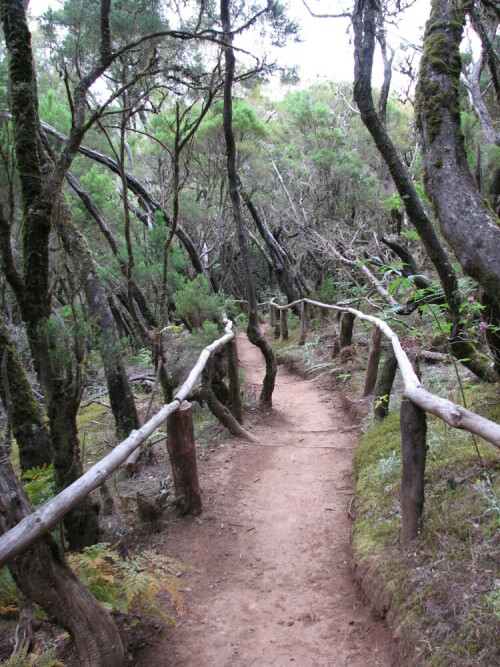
441	594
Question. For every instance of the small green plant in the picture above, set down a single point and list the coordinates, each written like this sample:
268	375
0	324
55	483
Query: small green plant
144	357
39	484
129	585
389	464
485	489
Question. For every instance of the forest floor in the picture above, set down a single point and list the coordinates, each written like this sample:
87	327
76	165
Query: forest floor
269	580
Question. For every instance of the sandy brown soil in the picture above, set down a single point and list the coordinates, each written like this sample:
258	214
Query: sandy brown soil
270	580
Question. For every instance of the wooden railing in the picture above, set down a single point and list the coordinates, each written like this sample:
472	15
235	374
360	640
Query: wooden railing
45	517
417	402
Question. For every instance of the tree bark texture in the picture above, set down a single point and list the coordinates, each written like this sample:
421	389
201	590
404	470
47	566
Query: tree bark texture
28	424
235	402
43	575
384	384
182	452
413	426
373	360
284	324
304	324
255	335
272	315
470	226
346	327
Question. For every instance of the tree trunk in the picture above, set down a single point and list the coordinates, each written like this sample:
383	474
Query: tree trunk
304	323
413	425
284	324
182	452
272	315
373	360
28	424
219	410
235	403
346	327
384	384
276	255
255	335
43	575
364	24
470	227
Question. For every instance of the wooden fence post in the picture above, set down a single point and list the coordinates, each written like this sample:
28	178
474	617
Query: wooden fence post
304	323
384	384
182	452
346	325
413	427
373	359
234	381
272	315
284	325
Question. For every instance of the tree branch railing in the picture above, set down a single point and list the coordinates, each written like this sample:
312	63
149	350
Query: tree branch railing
417	401
45	517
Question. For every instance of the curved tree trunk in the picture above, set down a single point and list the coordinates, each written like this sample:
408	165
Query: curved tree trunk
255	335
276	255
364	24
470	227
43	575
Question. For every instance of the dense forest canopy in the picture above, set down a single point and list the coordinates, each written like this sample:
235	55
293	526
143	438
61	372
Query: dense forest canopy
150	182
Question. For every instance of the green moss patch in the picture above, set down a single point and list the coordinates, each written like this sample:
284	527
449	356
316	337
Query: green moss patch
442	594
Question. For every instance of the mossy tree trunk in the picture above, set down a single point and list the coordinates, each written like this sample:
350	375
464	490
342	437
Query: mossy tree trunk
466	221
364	21
383	386
255	335
59	381
346	327
43	575
28	424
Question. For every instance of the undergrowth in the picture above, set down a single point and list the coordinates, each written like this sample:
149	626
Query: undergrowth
132	584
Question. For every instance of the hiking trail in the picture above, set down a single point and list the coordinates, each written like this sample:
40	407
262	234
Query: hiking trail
270	582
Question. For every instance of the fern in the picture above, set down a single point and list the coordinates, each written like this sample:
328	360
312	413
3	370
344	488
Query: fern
131	585
35	659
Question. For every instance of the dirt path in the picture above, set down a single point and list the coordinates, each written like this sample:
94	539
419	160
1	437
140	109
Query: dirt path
270	582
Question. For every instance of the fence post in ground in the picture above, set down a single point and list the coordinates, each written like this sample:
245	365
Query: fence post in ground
284	324
272	315
383	385
373	359
304	323
182	453
346	325
413	425
234	381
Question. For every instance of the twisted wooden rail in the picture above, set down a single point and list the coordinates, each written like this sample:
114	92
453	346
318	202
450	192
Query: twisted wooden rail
417	401
45	517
